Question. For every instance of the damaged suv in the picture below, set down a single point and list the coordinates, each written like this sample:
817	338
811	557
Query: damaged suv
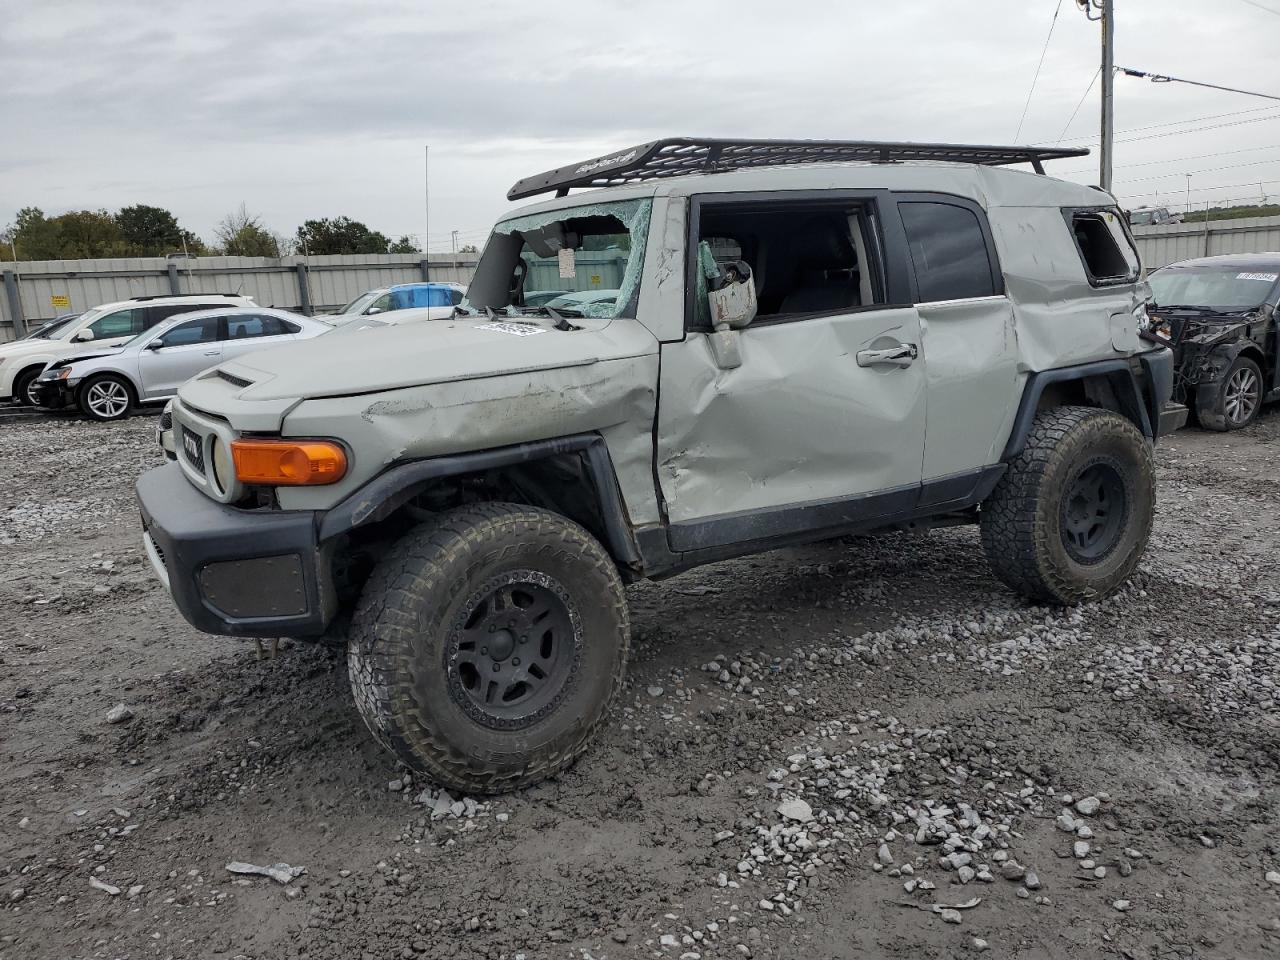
808	339
1218	314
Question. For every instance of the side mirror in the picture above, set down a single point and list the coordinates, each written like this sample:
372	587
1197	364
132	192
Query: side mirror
372	311
732	298
156	344
84	336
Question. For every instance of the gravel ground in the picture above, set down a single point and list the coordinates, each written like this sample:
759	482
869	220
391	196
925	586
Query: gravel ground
854	749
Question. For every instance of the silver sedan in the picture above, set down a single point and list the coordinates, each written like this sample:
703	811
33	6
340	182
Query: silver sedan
150	367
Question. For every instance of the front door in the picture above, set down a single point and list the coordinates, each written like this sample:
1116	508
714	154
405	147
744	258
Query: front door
822	425
179	354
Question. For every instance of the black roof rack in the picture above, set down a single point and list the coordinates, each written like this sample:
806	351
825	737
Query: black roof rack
167	296
676	156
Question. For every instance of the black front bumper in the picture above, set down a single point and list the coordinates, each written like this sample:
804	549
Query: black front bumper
238	572
50	394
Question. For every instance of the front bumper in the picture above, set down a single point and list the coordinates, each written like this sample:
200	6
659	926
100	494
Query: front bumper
51	394
231	571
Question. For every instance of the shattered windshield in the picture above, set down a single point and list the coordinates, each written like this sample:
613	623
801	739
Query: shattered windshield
1218	288
581	261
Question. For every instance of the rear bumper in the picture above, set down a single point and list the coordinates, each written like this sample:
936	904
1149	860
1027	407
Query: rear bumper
232	571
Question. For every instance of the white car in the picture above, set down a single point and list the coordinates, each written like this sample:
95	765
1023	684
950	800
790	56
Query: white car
151	366
107	325
427	301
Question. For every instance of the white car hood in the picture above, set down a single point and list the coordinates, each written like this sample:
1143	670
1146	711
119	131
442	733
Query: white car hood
388	358
33	348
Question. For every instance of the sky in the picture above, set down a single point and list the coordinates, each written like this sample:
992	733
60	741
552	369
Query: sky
306	110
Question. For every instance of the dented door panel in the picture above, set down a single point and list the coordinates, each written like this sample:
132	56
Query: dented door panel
798	421
971	362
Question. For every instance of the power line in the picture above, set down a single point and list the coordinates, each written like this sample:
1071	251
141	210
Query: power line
1036	75
1197	156
1072	118
1221	186
1162	78
1178	133
1175	123
1254	3
1196	173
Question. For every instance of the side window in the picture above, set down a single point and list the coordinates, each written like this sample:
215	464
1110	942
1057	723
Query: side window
122	323
806	257
245	326
455	297
948	251
1105	247
439	297
204	330
164	311
382	304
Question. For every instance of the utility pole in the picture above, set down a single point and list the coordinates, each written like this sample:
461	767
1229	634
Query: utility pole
426	211
1105	13
1108	100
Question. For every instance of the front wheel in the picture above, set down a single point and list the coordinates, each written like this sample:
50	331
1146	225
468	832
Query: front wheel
22	384
106	397
1235	402
487	645
1071	517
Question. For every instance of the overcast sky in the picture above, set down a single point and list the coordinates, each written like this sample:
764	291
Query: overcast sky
303	110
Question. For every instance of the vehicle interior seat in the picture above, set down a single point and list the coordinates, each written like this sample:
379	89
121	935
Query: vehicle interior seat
239	332
824	268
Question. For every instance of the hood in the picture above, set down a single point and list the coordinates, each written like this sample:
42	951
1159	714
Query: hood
373	360
24	348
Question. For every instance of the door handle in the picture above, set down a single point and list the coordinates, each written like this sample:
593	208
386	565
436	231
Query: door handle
211	353
900	356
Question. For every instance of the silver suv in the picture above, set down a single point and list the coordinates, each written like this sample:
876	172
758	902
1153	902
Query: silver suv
808	339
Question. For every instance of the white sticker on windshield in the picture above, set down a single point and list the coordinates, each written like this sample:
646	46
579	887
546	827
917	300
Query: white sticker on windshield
1267	277
568	263
514	329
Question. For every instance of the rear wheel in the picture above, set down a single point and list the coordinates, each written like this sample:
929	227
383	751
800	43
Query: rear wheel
487	645
1071	517
1235	401
106	397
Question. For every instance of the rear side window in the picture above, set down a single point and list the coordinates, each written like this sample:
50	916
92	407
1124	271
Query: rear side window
948	251
166	310
1105	249
242	327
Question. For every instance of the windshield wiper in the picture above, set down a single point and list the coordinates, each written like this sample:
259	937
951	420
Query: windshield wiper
558	314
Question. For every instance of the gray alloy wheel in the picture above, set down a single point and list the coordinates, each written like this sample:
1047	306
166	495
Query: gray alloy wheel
1241	396
106	398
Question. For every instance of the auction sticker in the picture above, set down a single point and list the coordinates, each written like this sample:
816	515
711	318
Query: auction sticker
1268	277
514	329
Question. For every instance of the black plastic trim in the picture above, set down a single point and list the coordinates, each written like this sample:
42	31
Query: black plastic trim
1145	408
192	531
393	488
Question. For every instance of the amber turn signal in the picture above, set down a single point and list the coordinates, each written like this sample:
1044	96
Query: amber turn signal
288	463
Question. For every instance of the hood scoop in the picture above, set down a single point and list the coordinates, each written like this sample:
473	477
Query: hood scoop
233	379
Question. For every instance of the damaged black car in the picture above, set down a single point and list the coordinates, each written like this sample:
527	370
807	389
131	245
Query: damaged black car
1219	315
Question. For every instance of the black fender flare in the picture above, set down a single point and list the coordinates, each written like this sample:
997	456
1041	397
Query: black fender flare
1141	392
397	485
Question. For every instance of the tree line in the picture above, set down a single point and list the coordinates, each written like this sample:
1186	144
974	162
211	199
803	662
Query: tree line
145	231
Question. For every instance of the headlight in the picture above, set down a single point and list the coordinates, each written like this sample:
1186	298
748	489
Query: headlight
224	470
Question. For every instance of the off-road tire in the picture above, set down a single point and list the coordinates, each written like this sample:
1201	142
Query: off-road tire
414	602
1211	411
1024	517
117	384
21	383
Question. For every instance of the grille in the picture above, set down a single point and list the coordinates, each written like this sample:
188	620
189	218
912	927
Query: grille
156	547
238	381
166	420
193	448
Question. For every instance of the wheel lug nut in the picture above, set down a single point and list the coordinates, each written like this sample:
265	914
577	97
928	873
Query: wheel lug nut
515	661
484	650
497	667
524	639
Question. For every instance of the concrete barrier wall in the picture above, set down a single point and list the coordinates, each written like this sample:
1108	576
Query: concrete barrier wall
35	291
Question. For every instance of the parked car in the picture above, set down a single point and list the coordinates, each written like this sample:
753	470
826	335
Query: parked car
472	498
107	325
46	330
1153	216
151	366
438	298
1219	315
